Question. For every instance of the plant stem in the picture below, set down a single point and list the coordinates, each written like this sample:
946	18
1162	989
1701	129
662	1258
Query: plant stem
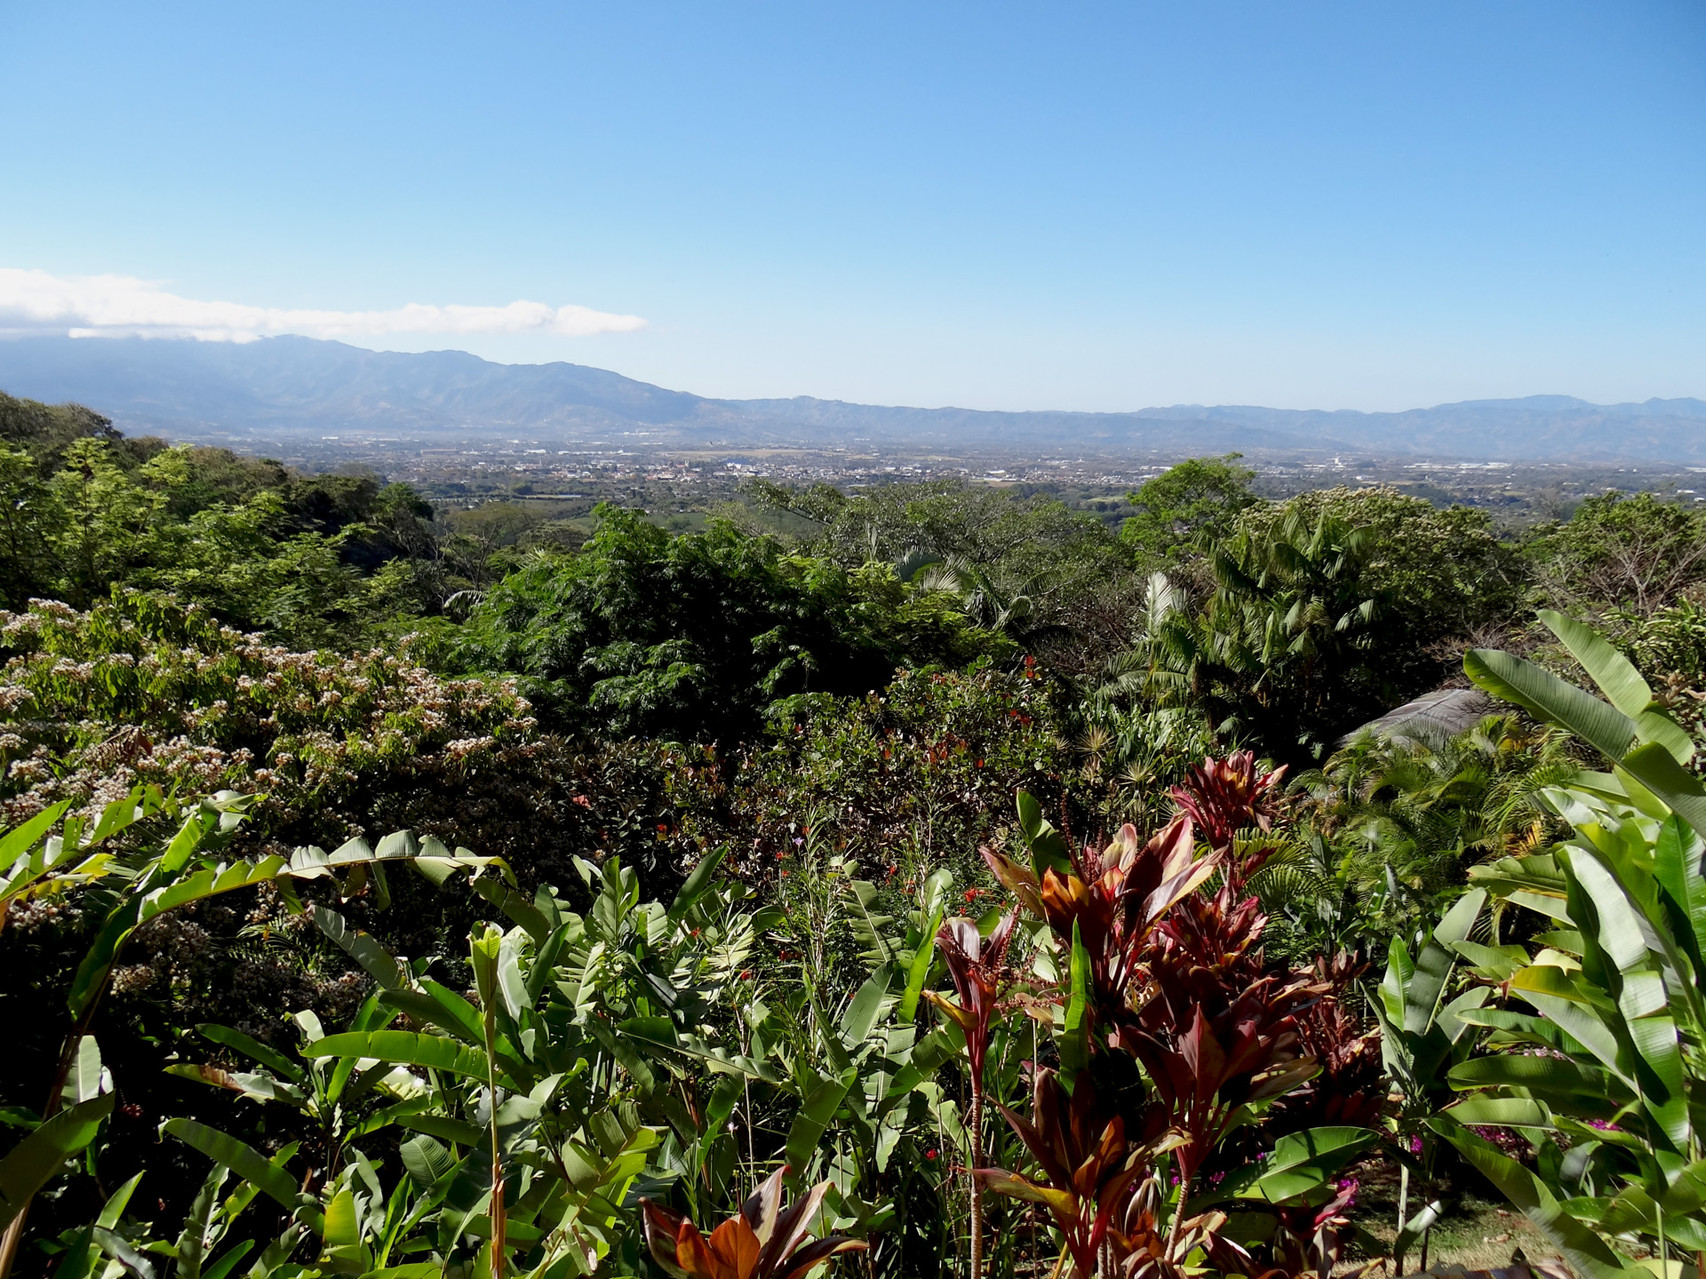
1178	1218
1403	1213
976	1186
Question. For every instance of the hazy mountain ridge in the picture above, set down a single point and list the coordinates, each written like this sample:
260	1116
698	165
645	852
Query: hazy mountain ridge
279	387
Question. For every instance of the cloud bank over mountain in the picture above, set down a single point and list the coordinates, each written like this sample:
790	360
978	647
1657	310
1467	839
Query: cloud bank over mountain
37	303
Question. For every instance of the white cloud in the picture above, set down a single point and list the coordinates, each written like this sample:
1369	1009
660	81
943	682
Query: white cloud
36	303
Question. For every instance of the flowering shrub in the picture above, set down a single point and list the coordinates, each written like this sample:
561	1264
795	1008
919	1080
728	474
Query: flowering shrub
142	690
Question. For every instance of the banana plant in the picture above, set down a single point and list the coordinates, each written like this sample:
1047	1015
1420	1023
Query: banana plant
1650	752
350	1226
1424	1030
1597	1039
340	1103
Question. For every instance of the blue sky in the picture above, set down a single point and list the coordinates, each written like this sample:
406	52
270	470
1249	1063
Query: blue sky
1095	206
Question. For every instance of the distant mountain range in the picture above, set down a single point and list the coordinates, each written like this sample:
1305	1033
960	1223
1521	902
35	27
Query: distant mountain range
281	388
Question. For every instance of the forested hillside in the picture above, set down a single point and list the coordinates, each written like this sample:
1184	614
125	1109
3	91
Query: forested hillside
979	888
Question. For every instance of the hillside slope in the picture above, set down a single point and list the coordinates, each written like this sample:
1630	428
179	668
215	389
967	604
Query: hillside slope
279	387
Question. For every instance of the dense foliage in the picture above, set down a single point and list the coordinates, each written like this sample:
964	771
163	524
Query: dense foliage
929	877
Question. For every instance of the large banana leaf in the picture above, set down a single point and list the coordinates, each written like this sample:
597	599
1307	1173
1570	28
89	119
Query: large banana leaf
1546	697
1621	683
1587	1254
38	1158
249	1164
405	1048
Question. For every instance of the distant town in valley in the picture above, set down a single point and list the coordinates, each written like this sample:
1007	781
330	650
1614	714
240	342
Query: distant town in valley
564	437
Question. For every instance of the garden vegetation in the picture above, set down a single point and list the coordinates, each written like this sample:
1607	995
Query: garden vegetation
925	880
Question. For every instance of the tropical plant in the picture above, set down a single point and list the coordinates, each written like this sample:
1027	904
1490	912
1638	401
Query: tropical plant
1604	1074
978	968
762	1241
693	637
127	884
1173	1034
1286	649
1638	550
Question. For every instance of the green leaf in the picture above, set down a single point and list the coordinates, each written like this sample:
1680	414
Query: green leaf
1549	1076
1415	1228
1676	866
1621	683
1546	697
192	1239
1615	674
1482	1110
120	1250
817	1108
38	1158
1074	1042
869	927
860	1018
1048	849
1585	1251
252	1048
230	1260
1302	1161
248	1163
21	839
427	1161
442	1007
516	906
1434	964
697	885
342	1230
918	971
377	962
431	1052
87	1079
1656	769
445	1128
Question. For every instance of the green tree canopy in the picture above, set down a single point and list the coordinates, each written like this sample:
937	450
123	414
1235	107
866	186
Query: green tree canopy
692	637
1188	507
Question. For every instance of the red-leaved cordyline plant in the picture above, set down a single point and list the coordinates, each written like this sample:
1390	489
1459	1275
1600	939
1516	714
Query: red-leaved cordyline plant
1351	1088
762	1241
1225	796
1099	1181
1206	1077
1086	1162
1176	982
1306	1239
976	966
1113	899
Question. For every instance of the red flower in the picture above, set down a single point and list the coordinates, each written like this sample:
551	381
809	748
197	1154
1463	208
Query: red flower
930	1154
